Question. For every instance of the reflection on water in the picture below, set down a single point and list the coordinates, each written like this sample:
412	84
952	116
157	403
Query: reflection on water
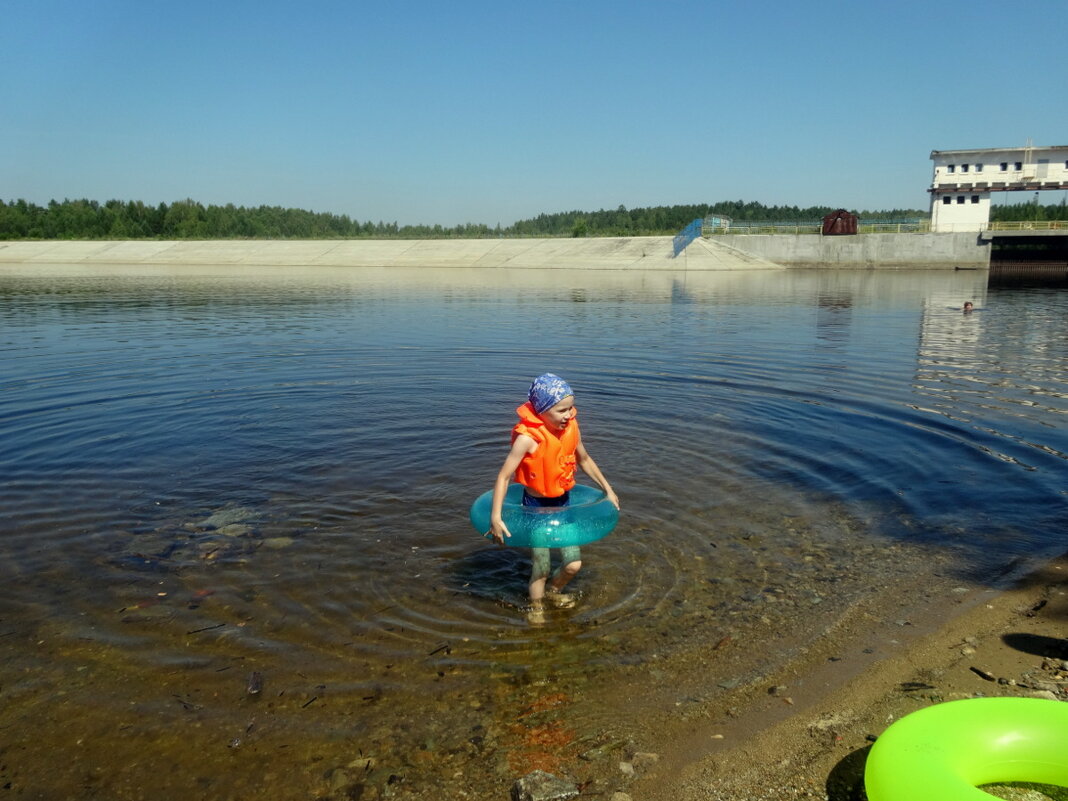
209	473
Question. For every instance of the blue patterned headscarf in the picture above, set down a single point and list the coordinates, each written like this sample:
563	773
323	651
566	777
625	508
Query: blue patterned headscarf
546	391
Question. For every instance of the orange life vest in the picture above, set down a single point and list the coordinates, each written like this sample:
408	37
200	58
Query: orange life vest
550	470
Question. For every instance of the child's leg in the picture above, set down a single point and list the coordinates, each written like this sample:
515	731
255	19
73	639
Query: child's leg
539	572
572	563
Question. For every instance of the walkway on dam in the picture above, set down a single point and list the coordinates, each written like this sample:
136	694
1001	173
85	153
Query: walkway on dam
607	253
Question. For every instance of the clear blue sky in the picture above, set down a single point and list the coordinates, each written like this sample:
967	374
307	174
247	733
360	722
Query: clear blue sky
453	112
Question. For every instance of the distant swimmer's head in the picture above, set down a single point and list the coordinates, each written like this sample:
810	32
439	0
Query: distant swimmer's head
968	305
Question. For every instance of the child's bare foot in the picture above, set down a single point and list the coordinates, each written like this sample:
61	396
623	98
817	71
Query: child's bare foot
536	614
559	600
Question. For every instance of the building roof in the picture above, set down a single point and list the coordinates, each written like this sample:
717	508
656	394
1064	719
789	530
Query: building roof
935	153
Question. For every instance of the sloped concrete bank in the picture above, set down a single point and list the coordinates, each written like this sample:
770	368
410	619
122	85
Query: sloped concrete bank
867	251
739	252
609	253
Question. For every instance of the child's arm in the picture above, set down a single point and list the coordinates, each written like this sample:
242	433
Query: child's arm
590	468
520	448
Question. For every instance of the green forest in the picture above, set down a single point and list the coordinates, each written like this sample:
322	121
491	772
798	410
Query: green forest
1028	211
188	219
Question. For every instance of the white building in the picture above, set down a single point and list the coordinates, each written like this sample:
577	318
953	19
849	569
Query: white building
963	180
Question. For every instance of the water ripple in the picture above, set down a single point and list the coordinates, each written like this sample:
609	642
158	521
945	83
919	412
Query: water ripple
346	421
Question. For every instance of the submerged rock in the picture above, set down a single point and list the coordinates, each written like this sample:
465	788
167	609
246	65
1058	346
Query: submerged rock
227	516
235	530
542	786
278	542
642	760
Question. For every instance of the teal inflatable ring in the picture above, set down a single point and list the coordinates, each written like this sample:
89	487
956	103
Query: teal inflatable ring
943	752
588	517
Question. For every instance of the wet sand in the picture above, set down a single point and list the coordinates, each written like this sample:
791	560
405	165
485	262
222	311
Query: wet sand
805	733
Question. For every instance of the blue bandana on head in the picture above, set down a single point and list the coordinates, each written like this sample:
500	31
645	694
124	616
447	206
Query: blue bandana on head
546	391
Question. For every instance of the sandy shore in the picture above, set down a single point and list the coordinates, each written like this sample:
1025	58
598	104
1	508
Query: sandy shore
996	643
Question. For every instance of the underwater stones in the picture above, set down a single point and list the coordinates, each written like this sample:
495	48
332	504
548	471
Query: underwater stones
601	750
277	543
643	760
151	552
541	786
227	516
235	530
210	551
160	542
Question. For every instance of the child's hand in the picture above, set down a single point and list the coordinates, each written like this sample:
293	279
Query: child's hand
498	530
612	497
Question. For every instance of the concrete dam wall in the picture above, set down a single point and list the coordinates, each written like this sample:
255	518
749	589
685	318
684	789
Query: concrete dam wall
735	252
607	253
868	251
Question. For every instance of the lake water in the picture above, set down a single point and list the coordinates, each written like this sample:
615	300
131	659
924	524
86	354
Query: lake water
208	473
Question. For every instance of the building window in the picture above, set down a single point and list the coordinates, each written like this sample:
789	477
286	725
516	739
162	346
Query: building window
1019	165
1004	166
975	198
951	168
960	200
978	167
946	200
964	168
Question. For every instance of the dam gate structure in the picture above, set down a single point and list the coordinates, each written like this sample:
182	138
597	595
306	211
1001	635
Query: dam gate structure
963	181
961	190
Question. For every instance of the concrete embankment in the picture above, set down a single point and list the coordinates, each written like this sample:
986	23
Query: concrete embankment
736	252
868	251
608	253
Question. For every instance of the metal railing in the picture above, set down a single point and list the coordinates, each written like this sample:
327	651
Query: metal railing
1028	225
909	227
809	227
878	227
757	227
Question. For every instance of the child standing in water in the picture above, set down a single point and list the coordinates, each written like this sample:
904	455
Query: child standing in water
546	448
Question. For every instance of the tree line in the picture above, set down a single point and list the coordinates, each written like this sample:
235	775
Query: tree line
1029	211
659	220
188	219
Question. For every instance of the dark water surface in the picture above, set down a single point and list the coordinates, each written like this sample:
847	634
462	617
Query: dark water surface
208	473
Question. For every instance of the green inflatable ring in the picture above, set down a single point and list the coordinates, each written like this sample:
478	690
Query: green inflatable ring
588	517
943	752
